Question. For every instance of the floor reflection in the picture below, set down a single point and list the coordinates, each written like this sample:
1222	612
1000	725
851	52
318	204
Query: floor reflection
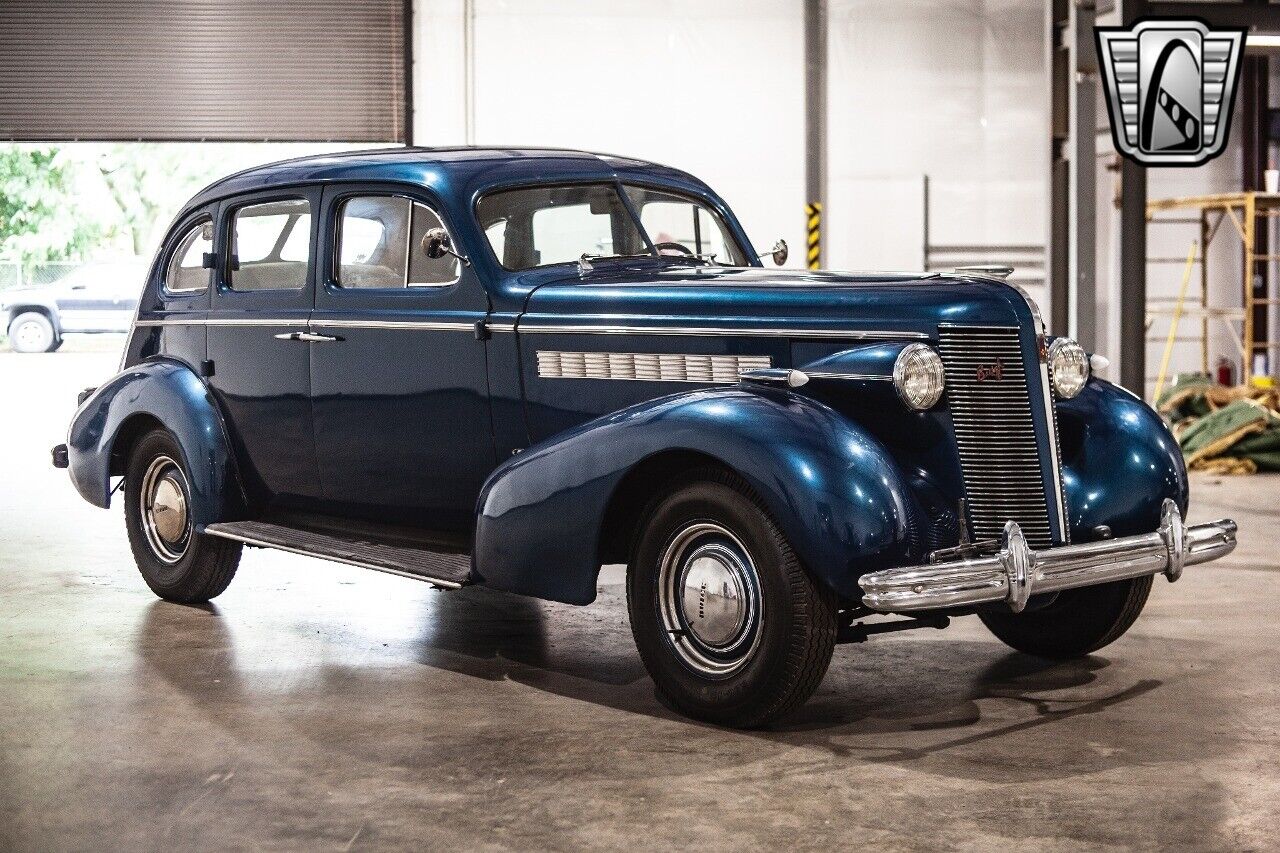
887	701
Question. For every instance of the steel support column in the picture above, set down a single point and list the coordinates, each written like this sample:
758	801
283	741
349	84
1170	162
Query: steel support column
1082	111
815	128
1132	249
1071	229
1056	271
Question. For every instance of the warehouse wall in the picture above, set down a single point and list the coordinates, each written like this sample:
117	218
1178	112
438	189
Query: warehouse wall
954	88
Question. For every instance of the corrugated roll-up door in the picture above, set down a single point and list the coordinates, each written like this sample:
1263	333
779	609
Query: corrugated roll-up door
278	70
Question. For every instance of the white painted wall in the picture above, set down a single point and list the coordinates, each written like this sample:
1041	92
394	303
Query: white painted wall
949	87
952	88
714	88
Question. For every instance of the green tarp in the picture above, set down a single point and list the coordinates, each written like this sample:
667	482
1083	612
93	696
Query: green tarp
1228	430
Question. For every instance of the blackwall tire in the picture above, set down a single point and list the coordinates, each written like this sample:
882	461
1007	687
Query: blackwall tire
32	332
1078	622
178	563
729	624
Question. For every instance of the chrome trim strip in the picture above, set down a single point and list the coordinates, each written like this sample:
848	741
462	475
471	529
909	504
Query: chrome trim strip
441	325
425	325
258	543
850	334
866	377
220	321
418	325
648	366
1016	572
1055	463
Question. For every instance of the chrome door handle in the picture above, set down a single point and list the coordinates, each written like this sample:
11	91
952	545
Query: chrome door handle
309	337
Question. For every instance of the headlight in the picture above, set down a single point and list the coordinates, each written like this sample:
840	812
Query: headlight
1069	367
917	374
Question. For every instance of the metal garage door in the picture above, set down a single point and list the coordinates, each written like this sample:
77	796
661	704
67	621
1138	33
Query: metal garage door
280	70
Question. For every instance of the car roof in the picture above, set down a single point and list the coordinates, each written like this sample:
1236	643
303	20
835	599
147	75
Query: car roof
461	170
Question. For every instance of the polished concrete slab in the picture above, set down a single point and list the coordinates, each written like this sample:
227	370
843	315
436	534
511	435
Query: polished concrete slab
316	706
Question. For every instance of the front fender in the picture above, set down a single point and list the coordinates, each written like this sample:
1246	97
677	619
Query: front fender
1119	463
832	489
171	393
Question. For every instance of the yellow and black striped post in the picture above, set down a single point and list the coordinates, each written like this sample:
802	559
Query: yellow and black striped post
814	212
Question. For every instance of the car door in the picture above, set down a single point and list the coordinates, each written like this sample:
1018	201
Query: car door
399	389
260	361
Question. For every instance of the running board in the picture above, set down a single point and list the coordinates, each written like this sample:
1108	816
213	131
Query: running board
442	569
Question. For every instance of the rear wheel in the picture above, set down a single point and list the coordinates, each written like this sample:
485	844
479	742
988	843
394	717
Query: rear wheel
178	563
727	621
1078	622
32	332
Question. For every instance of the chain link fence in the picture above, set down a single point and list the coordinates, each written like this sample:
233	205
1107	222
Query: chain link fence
18	274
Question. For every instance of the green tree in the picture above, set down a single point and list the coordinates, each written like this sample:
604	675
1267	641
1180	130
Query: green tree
149	182
38	218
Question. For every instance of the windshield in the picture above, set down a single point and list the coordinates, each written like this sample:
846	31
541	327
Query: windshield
539	226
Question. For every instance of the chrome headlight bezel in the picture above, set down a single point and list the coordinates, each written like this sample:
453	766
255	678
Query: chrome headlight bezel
1069	368
918	377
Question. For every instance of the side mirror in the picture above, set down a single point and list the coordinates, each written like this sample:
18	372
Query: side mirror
779	252
436	244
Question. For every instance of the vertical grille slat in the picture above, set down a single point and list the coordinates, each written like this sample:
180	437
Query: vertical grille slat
995	434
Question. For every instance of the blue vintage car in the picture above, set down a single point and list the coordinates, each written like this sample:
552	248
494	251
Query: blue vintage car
509	367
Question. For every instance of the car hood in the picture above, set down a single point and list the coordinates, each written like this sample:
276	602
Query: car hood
712	297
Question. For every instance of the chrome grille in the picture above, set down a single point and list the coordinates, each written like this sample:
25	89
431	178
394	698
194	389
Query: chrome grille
995	434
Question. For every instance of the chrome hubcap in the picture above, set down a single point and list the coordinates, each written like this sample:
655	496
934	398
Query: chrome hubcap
165	519
29	334
709	599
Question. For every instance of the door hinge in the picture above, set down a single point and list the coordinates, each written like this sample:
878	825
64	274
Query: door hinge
206	367
482	330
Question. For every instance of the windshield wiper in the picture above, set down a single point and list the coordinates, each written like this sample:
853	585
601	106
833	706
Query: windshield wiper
584	262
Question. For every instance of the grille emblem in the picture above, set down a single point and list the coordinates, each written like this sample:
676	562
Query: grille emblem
991	372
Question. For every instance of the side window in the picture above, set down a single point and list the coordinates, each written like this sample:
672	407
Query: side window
270	245
380	245
186	272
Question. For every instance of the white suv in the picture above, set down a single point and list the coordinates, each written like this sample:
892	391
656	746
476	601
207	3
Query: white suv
100	296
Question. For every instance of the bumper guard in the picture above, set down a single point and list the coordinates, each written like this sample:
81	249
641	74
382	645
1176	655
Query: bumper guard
1015	572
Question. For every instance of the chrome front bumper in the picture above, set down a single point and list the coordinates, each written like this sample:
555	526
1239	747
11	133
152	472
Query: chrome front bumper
1015	572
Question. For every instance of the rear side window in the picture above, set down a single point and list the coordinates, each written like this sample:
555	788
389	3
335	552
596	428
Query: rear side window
380	245
270	245
186	272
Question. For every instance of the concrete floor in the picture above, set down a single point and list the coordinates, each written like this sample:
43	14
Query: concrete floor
321	707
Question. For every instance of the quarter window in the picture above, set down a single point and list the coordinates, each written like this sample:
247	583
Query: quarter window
380	245
186	272
270	245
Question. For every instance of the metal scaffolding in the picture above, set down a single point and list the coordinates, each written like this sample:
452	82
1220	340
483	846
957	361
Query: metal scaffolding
1248	213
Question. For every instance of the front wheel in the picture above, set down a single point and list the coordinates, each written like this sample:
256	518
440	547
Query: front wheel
178	563
33	332
1078	622
727	621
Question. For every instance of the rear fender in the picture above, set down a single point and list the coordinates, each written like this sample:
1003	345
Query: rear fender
833	490
169	393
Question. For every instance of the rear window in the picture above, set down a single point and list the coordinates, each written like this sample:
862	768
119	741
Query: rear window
270	245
